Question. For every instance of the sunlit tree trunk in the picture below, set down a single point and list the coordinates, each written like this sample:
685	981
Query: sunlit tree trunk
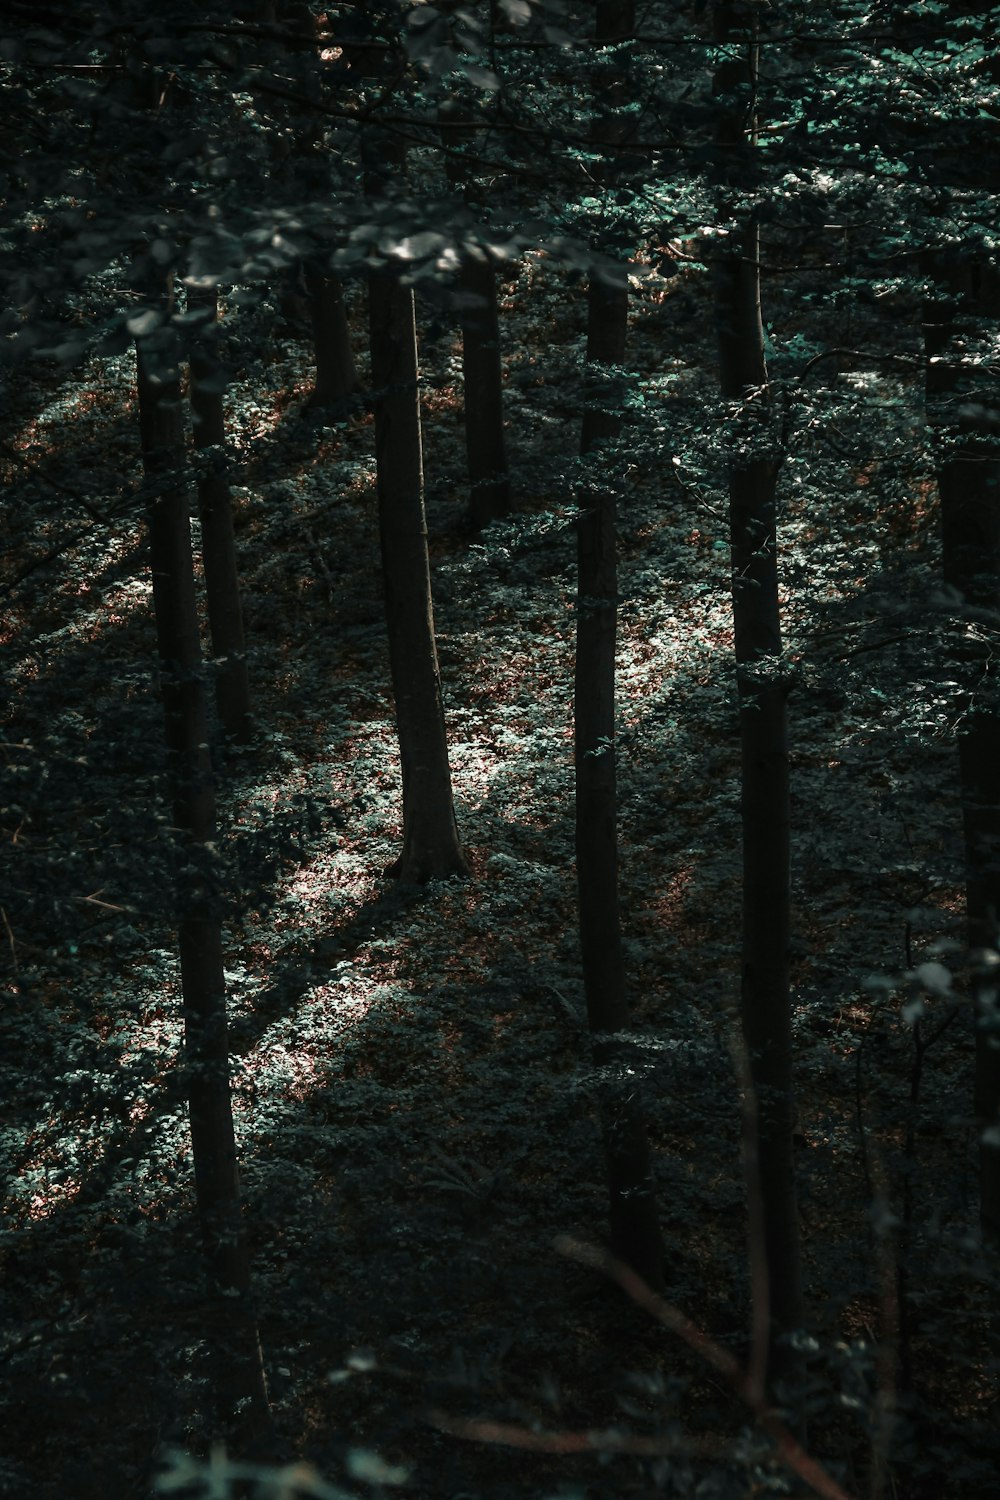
430	833
431	847
635	1230
240	1383
218	545
762	686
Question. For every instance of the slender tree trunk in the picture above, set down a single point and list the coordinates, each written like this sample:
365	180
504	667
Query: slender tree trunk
336	377
597	607
431	847
765	815
596	782
635	1230
963	408
313	295
482	367
482	374
240	1383
222	582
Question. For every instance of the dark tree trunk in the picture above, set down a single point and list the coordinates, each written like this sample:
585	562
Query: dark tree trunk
241	1388
635	1229
312	297
336	377
765	999
431	845
482	367
222	582
964	412
607	296
594	693
482	373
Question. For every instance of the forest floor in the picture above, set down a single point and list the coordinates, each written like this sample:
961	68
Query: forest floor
413	1090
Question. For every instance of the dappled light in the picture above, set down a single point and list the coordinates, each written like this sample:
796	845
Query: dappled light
498	770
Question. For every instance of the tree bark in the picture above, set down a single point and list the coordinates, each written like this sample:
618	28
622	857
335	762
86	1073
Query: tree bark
482	367
336	376
594	689
765	1002
635	1229
240	1384
964	412
222	581
314	297
431	847
482	376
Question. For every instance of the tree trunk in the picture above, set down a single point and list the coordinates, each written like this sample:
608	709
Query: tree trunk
336	377
482	367
635	1230
222	582
765	816
431	847
240	1384
482	373
594	693
312	297
963	408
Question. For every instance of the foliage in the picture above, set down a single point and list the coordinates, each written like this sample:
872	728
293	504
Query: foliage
413	1090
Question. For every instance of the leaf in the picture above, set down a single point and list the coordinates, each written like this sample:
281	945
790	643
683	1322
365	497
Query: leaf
419	246
483	78
518	12
933	977
367	1466
421	17
143	322
163	252
913	1010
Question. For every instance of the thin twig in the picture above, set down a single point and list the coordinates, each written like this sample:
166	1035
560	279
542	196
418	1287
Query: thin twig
10	937
107	905
789	1451
911	362
509	1435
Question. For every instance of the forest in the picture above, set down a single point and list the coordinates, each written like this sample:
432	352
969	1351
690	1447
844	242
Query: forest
500	750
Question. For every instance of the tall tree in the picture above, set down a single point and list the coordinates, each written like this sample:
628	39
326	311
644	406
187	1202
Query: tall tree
218	544
762	683
307	159
597	611
635	1231
965	415
336	375
482	368
951	136
431	847
482	388
240	1384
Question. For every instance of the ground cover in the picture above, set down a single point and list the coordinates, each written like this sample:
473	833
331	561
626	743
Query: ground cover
412	1083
